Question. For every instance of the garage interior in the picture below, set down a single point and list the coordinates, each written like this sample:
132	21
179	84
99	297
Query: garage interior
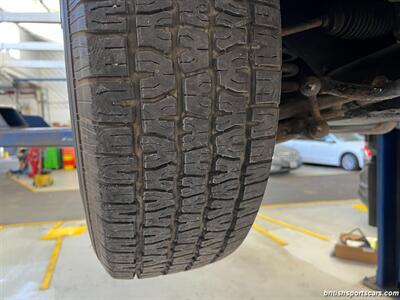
45	249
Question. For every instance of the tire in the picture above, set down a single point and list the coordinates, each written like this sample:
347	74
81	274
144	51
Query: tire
175	111
349	162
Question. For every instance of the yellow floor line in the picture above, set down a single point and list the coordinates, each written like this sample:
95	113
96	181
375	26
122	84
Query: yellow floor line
22	183
361	207
55	190
269	235
35	224
52	264
293	227
57	232
324	202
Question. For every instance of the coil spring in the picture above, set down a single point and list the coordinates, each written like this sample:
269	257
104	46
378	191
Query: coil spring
289	70
366	20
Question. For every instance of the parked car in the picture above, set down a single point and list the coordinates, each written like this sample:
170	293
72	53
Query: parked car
285	159
342	150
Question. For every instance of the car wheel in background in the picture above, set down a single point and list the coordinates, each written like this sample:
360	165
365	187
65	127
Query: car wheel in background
349	162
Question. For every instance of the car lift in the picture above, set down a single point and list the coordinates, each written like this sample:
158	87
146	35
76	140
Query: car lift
36	137
388	213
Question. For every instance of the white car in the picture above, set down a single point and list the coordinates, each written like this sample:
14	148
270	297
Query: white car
344	150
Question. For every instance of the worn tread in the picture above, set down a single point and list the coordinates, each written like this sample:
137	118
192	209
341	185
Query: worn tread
176	106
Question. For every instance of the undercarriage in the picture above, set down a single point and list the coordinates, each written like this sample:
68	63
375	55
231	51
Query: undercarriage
340	68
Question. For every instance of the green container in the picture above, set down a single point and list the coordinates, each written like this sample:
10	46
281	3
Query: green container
52	158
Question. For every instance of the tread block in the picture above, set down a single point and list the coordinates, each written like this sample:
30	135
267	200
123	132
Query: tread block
164	128
249	207
267	15
151	6
235	7
106	101
258	172
194	12
196	162
162	179
198	133
188	222
101	139
265	119
161	78
228	190
155	235
127	245
158	151
268	87
261	150
152	31
110	58
254	190
193	204
226	170
99	16
231	32
195	57
221	223
161	218
111	170
112	193
197	91
233	70
117	213
192	186
114	231
165	107
268	54
231	103
156	200
231	144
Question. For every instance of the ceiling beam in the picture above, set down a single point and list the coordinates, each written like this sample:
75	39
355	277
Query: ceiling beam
32	46
14	17
34	64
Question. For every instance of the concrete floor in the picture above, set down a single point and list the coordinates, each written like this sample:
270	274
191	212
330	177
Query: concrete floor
260	269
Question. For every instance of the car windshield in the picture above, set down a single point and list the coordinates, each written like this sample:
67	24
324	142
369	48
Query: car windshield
349	137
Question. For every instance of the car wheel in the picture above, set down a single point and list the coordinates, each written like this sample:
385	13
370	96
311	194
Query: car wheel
349	162
175	111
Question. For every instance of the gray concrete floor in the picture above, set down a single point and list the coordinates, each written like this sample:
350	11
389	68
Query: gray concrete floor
312	183
260	269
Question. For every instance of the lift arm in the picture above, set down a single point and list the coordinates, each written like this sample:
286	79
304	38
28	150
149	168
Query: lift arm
36	137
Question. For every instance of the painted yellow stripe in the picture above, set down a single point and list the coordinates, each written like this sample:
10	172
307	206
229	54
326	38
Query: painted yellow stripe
269	235
22	183
301	203
35	224
293	227
52	265
58	232
361	207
